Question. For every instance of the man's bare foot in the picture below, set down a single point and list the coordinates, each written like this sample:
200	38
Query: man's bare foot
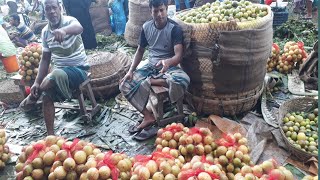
147	120
145	123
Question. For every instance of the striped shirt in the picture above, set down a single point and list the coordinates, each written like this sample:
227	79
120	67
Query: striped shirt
68	53
26	33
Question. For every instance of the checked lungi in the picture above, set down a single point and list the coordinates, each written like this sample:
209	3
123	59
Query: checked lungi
137	90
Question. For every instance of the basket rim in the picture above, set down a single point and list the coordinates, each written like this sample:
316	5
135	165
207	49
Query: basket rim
295	150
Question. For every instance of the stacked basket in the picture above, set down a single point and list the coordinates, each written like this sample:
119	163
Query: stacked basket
107	69
226	63
139	13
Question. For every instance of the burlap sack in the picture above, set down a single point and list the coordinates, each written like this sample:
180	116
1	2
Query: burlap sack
100	19
132	34
139	13
107	69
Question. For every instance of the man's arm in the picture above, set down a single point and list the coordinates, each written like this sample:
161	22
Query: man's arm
43	67
176	59
74	28
137	58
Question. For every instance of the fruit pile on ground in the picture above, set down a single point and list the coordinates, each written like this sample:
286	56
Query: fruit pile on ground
273	60
301	129
292	57
265	171
29	61
215	12
159	165
4	149
55	158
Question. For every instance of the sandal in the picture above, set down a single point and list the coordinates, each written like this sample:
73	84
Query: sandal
134	128
27	104
146	133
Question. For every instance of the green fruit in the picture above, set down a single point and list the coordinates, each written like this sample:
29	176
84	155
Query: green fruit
314	136
301	136
315	111
294	136
285	128
311	139
311	116
288	133
292	118
312	148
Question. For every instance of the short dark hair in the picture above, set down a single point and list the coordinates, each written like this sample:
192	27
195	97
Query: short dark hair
157	3
15	17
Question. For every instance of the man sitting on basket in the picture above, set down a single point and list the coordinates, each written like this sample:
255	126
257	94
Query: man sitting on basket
61	41
164	38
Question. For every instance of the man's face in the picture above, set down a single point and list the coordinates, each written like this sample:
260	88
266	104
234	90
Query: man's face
12	22
159	14
52	12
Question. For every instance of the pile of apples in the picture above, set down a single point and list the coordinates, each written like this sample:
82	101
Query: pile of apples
4	149
292	57
274	58
29	61
159	165
265	171
196	141
56	158
169	136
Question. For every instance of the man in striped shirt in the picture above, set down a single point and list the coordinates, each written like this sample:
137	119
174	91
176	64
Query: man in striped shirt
61	41
23	34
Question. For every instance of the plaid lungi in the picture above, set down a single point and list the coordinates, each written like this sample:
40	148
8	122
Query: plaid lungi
137	91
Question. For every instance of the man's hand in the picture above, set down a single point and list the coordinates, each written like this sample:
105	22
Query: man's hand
127	77
59	35
35	90
165	67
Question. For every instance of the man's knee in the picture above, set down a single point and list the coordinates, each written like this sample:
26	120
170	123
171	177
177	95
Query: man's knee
46	84
46	98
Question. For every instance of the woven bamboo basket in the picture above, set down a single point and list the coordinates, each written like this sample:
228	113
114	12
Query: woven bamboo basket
293	105
107	69
228	105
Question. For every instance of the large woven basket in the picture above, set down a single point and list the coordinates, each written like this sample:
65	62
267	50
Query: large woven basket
228	104
293	105
107	69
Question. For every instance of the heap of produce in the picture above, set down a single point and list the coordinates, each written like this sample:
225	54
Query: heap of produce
284	61
56	158
273	60
158	165
265	171
215	12
292	57
29	61
301	129
4	149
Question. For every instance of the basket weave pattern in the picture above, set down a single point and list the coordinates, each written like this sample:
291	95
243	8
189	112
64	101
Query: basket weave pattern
294	105
107	69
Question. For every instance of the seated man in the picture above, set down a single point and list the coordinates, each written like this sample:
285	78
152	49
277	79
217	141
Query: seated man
23	35
63	44
164	38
